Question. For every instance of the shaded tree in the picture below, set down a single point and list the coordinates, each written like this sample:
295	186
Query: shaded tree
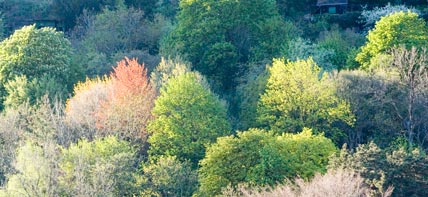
216	36
169	177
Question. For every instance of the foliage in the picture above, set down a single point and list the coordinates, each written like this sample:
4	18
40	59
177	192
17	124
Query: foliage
300	49
167	8
294	8
36	172
187	118
412	67
12	130
15	12
389	103
335	183
68	11
299	95
259	158
252	85
128	103
42	56
370	97
167	69
370	17
215	36
169	177
102	167
400	28
108	36
341	43
81	109
405	170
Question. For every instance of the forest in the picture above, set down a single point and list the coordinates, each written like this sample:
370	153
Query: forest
213	98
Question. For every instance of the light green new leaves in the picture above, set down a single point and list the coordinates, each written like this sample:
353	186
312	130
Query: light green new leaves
188	117
259	158
400	28
300	95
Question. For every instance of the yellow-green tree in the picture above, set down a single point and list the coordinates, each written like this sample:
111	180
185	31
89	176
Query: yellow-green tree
187	118
400	28
298	94
259	158
42	56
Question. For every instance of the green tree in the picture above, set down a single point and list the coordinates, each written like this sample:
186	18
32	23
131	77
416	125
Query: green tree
215	36
259	158
299	95
187	118
102	167
42	56
400	28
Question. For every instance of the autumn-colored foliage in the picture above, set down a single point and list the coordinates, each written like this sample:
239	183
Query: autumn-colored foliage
130	97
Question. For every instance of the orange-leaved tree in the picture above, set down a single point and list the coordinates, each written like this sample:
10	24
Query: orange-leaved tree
129	101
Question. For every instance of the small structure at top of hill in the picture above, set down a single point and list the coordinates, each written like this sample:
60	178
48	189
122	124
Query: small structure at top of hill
332	6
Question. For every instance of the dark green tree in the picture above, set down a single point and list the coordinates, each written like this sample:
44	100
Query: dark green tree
217	36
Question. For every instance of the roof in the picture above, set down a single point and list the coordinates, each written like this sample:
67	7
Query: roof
331	2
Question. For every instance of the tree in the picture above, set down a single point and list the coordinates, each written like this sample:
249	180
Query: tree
68	11
299	95
102	167
370	17
36	174
400	28
169	177
42	56
129	100
187	118
81	109
216	36
109	36
405	170
259	158
167	69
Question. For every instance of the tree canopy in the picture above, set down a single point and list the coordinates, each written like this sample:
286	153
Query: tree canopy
187	118
400	28
298	94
